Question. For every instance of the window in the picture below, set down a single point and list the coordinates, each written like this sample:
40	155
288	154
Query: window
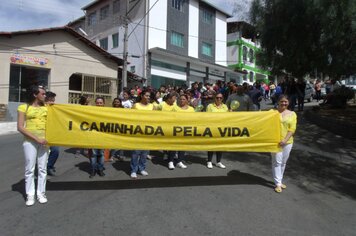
251	76
104	12
244	53
251	55
115	40
207	49
132	69
22	77
207	17
177	39
116	7
104	43
178	4
92	19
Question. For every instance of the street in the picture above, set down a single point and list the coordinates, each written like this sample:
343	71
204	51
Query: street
320	198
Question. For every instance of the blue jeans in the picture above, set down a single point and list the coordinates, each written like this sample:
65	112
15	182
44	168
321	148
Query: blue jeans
138	160
97	159
52	157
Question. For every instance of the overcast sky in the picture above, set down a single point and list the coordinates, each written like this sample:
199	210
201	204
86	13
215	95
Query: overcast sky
18	15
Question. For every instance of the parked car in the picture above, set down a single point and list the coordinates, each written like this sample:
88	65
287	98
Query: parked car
309	92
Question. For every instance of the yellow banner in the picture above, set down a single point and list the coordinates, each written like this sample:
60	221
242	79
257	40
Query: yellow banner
116	128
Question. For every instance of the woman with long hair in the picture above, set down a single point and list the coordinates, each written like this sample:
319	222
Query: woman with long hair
217	106
31	122
138	160
288	127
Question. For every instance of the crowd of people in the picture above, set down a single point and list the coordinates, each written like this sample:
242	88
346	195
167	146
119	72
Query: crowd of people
220	97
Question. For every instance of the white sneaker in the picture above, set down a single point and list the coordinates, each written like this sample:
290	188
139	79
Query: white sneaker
171	165
30	200
209	165
181	165
219	164
144	173
149	157
133	175
41	198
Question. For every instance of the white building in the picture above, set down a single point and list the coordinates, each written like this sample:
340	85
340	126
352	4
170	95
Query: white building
177	42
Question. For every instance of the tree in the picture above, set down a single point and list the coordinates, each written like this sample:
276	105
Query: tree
301	36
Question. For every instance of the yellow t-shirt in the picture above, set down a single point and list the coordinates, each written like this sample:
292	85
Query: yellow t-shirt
178	109
213	108
139	106
288	123
166	107
35	119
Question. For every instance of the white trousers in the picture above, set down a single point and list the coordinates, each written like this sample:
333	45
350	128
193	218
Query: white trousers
279	161
35	152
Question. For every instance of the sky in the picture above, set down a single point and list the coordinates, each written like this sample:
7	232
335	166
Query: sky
16	15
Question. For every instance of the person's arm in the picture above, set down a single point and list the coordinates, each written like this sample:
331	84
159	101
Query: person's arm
291	130
22	130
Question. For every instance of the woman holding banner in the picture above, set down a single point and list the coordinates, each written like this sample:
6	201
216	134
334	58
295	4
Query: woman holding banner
31	122
138	160
288	127
217	106
97	159
183	107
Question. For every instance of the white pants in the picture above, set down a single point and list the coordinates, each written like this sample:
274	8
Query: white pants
279	161
35	152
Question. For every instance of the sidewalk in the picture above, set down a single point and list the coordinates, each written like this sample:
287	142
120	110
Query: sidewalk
8	128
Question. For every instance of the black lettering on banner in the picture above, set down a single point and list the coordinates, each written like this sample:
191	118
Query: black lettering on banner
207	132
222	132
94	127
84	126
149	130
245	132
176	130
188	131
104	127
159	130
138	130
70	125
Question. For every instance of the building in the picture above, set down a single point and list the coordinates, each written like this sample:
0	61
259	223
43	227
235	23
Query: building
242	49
59	58
177	42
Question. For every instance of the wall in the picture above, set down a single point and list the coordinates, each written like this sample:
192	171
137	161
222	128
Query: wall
157	20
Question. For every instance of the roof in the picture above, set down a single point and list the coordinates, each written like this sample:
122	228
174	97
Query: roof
216	8
90	4
67	29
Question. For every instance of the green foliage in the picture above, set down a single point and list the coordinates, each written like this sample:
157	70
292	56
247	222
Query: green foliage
301	36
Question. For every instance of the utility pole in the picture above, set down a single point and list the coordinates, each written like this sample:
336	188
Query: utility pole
124	68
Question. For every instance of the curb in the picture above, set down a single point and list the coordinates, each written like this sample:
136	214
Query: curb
8	128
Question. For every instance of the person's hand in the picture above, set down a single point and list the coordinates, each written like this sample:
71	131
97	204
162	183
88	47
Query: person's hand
282	143
42	142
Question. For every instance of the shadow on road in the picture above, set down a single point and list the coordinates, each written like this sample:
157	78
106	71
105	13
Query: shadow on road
234	177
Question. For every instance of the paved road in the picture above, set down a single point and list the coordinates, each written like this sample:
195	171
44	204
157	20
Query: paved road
320	198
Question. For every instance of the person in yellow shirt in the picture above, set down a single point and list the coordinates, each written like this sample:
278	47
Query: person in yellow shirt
31	122
183	107
217	106
169	103
138	160
288	127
